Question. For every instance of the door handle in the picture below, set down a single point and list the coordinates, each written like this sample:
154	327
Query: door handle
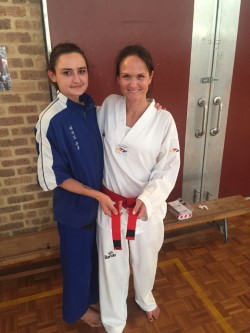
208	195
202	103
196	196
217	101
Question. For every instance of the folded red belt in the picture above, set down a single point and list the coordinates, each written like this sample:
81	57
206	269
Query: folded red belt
127	203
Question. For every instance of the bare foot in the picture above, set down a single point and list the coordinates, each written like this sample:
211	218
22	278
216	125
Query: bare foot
95	307
153	315
92	318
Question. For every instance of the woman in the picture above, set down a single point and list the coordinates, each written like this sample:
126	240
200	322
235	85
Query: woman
141	164
70	162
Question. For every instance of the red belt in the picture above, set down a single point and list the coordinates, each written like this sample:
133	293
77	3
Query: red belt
127	203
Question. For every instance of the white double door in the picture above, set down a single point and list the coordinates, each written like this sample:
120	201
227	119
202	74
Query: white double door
215	26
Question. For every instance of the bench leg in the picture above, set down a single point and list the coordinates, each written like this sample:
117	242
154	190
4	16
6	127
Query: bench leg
224	229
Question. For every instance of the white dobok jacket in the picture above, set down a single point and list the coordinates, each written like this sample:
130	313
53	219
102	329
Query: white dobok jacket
142	161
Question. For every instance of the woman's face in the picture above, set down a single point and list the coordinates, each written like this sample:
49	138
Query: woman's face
71	75
134	78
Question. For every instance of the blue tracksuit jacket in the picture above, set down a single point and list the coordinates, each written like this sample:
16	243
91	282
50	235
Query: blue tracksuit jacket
70	146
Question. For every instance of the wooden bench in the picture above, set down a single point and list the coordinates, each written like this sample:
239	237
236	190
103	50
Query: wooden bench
219	210
30	253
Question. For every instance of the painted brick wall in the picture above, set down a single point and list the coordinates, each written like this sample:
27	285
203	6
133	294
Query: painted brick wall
24	207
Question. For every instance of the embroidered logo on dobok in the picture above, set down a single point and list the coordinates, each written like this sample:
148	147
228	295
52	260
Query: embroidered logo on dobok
110	254
121	149
74	137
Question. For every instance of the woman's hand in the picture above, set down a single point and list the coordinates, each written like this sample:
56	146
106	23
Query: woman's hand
140	209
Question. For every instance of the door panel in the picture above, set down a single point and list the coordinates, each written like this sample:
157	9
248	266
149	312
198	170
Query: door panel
225	44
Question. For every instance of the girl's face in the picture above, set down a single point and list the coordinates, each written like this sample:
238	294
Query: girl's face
134	78
71	75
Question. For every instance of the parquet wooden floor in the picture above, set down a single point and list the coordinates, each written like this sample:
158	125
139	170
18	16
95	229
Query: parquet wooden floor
202	286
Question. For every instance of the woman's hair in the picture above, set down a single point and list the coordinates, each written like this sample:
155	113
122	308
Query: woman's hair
60	49
138	51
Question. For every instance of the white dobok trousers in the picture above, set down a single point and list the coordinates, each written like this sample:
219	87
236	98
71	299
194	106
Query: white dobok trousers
114	271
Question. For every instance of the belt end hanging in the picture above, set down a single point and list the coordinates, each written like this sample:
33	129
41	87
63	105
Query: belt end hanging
117	244
130	235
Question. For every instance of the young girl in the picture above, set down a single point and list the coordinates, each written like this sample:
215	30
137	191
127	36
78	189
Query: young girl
70	162
142	159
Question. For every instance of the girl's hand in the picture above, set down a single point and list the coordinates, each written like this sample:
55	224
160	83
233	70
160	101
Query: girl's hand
107	205
159	106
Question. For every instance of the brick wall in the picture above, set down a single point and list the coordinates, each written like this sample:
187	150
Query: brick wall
23	206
